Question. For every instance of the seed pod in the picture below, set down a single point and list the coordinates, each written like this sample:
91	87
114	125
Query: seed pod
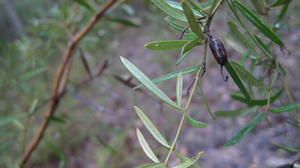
219	52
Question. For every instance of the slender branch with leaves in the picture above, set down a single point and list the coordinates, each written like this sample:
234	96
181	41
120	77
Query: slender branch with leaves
61	79
256	53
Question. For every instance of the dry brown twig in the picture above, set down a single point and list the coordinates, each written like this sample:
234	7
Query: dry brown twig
60	80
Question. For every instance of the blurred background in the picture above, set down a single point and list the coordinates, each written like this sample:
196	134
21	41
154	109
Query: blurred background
94	125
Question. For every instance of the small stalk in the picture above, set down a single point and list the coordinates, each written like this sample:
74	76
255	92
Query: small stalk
197	77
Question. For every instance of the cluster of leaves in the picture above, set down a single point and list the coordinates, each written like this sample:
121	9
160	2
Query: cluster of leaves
255	45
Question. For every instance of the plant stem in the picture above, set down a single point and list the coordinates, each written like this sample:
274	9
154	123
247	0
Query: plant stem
197	77
61	80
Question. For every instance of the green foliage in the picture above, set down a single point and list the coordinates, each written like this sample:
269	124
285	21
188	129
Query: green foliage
151	127
27	66
195	123
166	45
141	77
148	151
246	129
237	81
284	108
172	75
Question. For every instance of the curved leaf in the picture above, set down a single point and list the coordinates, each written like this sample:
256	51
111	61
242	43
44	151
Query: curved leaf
258	23
146	148
195	123
166	45
189	162
284	108
170	10
247	76
178	6
234	113
179	85
151	127
171	75
183	158
257	102
191	19
237	80
140	76
288	148
246	129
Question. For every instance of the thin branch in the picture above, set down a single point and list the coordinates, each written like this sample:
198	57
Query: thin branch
58	81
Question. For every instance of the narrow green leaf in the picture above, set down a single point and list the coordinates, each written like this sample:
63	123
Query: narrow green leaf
189	162
153	165
84	4
195	123
258	23
288	148
280	2
170	10
171	75
151	127
284	108
237	80
186	48
166	45
192	19
256	102
178	6
183	158
235	113
9	119
33	73
179	86
140	76
246	129
242	24
172	23
146	148
247	76
123	21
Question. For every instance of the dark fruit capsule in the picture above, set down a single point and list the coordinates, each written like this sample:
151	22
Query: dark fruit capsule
218	50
